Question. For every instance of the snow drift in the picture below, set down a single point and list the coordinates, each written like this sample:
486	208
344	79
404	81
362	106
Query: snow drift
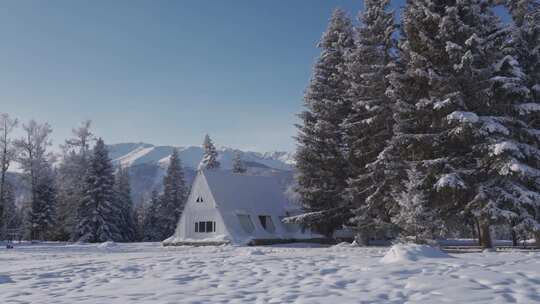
402	253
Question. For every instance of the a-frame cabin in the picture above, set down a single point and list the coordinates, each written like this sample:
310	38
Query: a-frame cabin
228	208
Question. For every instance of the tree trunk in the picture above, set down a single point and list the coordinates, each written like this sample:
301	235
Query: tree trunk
474	229
514	237
477	224
485	234
537	239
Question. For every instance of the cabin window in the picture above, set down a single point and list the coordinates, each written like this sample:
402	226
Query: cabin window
246	223
289	227
210	226
199	199
205	227
266	223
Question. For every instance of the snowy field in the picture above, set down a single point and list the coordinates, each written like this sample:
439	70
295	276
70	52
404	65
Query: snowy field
149	273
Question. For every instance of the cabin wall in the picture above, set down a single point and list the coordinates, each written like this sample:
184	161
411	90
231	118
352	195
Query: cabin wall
200	207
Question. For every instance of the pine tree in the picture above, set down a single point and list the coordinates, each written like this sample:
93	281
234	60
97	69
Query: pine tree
74	165
150	220
320	157
97	214
7	155
441	89
12	219
140	214
368	126
171	203
209	160
524	46
417	220
42	216
238	164
124	203
35	160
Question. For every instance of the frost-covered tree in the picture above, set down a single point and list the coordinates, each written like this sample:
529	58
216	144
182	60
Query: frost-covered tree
150	229
210	156
12	217
41	218
7	155
418	221
368	126
35	161
321	158
521	66
524	44
171	203
445	108
238	164
509	169
97	214
127	224
74	164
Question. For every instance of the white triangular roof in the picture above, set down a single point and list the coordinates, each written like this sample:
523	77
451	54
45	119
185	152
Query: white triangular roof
255	194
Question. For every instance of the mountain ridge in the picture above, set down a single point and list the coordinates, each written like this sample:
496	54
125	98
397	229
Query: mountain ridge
129	154
148	163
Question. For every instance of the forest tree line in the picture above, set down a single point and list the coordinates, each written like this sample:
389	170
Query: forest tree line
78	195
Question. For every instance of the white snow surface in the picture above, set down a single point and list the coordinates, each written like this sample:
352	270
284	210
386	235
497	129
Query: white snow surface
299	273
402	253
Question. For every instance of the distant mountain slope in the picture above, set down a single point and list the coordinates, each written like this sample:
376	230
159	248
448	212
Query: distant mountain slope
148	163
130	154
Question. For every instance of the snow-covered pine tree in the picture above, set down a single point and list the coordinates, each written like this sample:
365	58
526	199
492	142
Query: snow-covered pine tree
368	126
140	213
12	219
510	166
418	222
97	215
495	177
210	156
524	44
74	164
525	47
171	203
7	155
41	218
440	94
150	227
35	161
238	164
320	159
124	203
426	89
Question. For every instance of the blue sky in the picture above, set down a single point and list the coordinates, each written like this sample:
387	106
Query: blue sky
164	72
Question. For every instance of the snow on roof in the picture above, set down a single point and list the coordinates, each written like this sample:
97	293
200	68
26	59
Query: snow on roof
250	193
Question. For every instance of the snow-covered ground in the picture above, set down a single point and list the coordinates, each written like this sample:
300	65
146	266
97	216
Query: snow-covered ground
149	273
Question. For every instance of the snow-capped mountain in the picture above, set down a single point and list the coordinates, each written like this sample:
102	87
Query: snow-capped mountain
147	163
131	154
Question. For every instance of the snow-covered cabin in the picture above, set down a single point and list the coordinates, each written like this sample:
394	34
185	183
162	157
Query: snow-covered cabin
225	207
